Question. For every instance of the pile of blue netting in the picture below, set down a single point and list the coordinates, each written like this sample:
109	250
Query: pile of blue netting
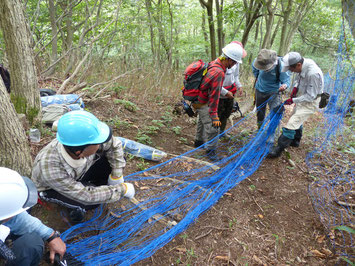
172	195
331	163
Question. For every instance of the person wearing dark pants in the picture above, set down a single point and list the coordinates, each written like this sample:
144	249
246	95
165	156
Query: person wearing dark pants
306	97
28	234
28	250
82	167
270	81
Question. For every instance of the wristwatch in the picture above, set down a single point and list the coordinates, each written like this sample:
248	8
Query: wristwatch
55	235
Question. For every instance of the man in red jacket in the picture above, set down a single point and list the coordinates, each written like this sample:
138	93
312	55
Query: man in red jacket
208	98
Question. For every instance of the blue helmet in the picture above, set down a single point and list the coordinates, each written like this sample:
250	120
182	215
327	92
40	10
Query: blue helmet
78	128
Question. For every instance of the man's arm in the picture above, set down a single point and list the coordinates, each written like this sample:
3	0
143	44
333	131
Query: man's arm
314	87
114	153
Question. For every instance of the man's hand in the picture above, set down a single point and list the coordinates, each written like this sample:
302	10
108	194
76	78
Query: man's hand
229	95
216	123
282	87
288	101
294	92
129	190
56	246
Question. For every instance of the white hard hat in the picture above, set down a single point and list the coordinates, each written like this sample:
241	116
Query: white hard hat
234	52
17	193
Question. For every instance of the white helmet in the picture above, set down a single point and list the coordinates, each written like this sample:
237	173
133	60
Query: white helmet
17	193
234	52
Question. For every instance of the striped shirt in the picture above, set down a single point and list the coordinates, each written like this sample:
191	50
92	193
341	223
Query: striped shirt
52	171
211	85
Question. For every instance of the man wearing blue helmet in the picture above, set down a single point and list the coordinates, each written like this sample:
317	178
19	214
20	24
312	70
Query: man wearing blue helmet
82	167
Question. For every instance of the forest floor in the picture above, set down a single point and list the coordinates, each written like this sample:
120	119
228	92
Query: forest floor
267	219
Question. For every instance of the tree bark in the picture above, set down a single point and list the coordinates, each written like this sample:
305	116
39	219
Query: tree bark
253	12
14	149
204	31
219	8
53	18
348	13
209	6
269	21
24	90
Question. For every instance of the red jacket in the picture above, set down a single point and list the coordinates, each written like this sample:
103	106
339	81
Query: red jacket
211	85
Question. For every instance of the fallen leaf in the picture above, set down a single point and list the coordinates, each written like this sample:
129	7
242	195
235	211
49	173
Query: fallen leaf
263	178
136	183
182	250
257	260
327	252
228	194
222	258
317	253
261	216
320	239
145	173
144	188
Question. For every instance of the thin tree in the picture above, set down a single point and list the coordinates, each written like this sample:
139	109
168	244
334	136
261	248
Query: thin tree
209	6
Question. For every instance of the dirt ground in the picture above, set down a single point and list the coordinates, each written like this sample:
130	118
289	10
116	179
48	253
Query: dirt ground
267	219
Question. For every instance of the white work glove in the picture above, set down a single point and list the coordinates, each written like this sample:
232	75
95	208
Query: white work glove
4	232
130	191
114	180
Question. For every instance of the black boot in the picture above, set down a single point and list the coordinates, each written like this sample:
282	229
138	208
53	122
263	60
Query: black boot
212	155
198	143
282	143
296	141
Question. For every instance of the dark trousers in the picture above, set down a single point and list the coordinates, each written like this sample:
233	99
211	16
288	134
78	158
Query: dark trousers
28	250
225	107
272	99
97	175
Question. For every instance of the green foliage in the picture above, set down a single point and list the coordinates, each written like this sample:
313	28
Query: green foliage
119	124
132	107
142	165
345	228
176	130
142	137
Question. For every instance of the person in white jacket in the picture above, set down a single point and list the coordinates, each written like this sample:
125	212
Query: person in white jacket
305	95
231	86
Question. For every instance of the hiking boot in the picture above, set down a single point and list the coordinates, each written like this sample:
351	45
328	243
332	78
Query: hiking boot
76	216
198	143
282	143
295	143
212	155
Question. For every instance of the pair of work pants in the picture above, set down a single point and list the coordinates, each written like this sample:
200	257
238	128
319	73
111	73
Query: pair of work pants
225	108
273	100
28	250
301	112
205	130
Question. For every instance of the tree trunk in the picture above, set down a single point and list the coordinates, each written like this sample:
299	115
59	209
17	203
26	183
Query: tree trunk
219	8
24	91
253	12
348	12
205	35
14	149
209	6
151	28
53	18
269	21
290	25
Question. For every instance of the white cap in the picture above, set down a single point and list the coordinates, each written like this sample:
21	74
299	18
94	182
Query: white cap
233	51
290	59
17	193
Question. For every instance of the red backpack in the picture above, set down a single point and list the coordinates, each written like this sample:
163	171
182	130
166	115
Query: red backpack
193	76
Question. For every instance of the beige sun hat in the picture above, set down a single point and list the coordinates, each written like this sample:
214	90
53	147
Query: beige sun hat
266	59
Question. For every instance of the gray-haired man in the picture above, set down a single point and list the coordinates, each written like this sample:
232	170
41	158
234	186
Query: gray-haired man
305	95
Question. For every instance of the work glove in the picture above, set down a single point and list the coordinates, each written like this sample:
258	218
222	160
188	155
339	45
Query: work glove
4	232
114	180
216	123
129	190
288	101
294	92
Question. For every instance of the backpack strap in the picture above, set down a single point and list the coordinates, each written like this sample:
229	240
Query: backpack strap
278	69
